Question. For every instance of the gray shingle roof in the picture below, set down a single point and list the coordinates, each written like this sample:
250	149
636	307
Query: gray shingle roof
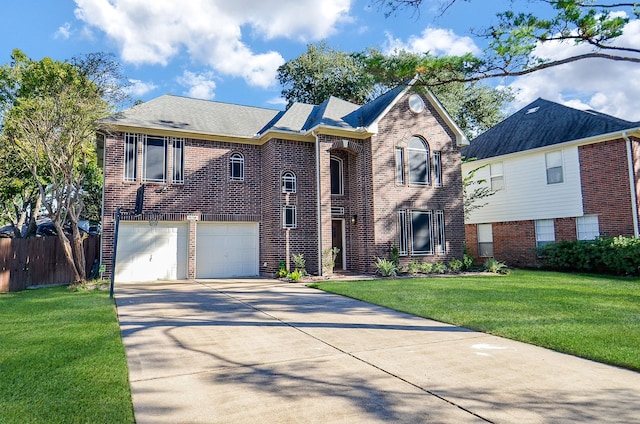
170	112
539	124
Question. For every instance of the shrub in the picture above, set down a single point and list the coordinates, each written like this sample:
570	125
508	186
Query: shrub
299	263
467	262
394	256
496	267
414	267
386	268
426	268
282	273
295	275
439	268
455	265
611	255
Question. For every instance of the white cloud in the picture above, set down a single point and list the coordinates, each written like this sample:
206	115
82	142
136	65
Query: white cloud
201	86
139	88
603	85
212	32
436	41
63	32
277	101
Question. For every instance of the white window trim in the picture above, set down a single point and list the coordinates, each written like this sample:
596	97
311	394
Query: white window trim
145	141
581	235
236	158
178	144
341	174
403	248
496	176
483	241
437	168
400	174
543	235
440	242
131	138
293	224
547	168
431	234
290	178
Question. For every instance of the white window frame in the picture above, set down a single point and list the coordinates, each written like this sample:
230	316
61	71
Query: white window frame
294	215
289	182
485	240
437	168
429	251
236	160
587	227
131	160
177	173
554	161
399	156
340	164
496	172
145	160
440	242
403	236
545	232
422	154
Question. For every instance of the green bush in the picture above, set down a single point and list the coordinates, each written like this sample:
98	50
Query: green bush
295	275
414	267
455	265
386	268
467	262
438	268
282	273
426	268
299	263
496	267
610	255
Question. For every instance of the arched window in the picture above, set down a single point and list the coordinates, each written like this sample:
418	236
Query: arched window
337	184
418	159
236	167
288	182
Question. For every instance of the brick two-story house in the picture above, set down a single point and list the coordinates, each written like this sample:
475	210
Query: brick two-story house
558	174
233	190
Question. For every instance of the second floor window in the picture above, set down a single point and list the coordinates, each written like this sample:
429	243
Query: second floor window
497	176
131	157
554	167
236	167
437	169
399	166
154	165
288	182
418	160
336	168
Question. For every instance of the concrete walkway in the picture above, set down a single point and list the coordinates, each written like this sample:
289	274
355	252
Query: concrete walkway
264	351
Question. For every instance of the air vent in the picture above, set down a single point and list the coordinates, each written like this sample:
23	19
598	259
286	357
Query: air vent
337	211
533	110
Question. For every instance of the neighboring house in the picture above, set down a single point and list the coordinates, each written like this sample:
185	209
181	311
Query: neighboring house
233	190
558	174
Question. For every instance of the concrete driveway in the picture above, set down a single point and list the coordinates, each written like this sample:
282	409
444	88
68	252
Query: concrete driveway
263	351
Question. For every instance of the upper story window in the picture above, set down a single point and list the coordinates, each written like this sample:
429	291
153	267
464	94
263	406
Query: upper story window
554	167
497	176
154	155
236	167
130	157
288	182
437	169
418	159
178	160
336	168
399	166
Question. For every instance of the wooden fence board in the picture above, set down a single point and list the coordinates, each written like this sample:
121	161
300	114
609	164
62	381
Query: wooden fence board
39	261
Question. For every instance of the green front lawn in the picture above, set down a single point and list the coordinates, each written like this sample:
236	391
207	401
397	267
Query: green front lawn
62	359
592	316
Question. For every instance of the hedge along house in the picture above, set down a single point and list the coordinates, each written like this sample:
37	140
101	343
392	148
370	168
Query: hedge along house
233	190
558	174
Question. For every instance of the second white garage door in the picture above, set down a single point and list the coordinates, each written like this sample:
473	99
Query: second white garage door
227	249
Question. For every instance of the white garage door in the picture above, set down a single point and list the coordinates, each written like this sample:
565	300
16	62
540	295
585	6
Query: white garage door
147	253
227	250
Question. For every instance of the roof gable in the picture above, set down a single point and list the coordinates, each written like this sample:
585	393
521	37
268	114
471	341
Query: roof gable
539	124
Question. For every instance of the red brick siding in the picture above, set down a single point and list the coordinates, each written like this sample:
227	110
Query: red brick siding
605	186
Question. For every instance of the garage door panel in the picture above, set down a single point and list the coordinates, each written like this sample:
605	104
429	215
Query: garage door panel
147	253
227	250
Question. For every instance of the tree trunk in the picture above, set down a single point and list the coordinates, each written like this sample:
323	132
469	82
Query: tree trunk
68	253
78	252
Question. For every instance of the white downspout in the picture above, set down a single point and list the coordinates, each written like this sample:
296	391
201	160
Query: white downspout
632	184
319	210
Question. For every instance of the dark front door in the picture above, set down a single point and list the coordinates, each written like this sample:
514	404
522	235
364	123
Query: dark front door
336	241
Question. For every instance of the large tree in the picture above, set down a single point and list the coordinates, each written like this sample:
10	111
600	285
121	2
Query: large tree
513	40
322	72
50	115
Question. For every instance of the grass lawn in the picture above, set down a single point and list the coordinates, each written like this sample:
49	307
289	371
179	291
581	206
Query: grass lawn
62	359
592	316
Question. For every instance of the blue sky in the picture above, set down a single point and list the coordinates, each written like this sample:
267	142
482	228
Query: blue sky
228	50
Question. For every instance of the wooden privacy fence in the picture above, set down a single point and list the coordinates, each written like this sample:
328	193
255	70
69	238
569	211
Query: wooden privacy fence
38	261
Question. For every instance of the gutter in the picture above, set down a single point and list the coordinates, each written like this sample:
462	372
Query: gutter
632	184
319	208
